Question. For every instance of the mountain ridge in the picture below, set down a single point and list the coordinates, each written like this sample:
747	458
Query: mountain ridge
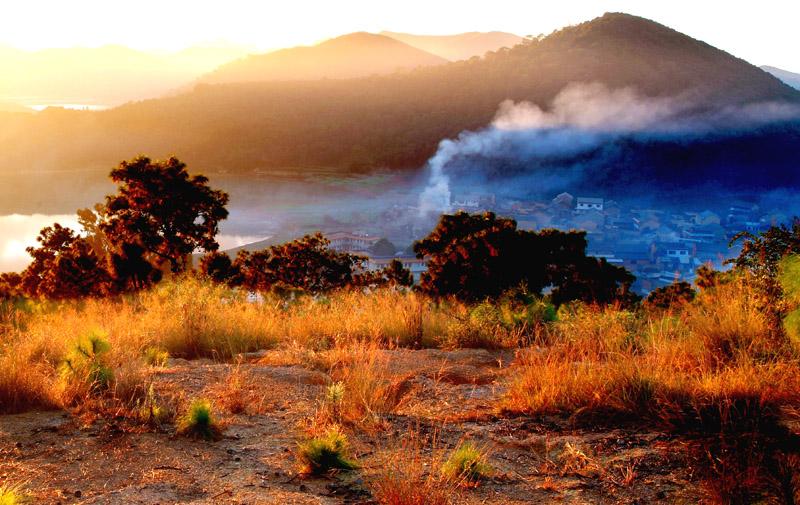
460	46
394	121
348	56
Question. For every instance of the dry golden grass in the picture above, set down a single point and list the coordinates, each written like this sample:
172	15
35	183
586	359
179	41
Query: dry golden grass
717	361
362	390
410	476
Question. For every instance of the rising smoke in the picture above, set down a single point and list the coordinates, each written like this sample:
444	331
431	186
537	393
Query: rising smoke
579	136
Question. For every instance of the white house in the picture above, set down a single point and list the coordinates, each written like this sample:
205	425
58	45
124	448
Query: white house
585	203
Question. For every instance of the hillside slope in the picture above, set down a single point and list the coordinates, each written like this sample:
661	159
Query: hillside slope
790	78
353	55
462	46
379	121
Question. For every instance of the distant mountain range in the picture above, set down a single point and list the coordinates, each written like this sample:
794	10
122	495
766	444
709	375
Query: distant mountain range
394	120
462	46
354	55
790	78
108	75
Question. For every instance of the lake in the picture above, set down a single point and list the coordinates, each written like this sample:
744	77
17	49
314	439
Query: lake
19	231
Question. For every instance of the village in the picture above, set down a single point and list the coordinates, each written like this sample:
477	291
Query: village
658	246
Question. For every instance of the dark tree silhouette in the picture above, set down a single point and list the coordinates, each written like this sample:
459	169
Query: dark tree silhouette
384	248
165	211
761	253
64	266
593	280
10	285
131	270
218	267
675	295
307	263
396	274
477	256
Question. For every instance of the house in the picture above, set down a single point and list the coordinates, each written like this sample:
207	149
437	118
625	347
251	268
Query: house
586	204
675	251
412	263
563	200
351	242
706	218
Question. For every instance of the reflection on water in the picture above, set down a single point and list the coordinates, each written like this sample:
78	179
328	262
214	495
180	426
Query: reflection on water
18	232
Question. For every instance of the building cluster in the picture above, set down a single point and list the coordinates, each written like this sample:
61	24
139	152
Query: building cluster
658	246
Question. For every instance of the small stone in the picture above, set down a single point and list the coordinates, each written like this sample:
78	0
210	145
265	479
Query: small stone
78	493
303	487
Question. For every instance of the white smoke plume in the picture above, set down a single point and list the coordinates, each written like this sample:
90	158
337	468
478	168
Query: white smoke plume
581	118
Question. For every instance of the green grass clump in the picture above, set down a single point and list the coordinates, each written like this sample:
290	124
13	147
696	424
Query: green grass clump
11	495
322	454
150	412
199	422
85	363
154	356
467	463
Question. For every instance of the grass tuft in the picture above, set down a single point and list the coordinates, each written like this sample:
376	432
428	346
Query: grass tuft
467	464
329	452
199	421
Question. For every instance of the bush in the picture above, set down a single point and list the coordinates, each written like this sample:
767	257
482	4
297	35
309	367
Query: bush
199	422
154	356
85	369
328	452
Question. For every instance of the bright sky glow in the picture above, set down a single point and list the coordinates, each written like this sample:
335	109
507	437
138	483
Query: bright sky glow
763	32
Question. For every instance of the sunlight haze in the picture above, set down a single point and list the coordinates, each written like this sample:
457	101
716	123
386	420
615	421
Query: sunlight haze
758	32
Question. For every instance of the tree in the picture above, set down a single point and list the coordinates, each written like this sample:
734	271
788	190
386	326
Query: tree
674	295
64	266
217	266
397	275
593	280
475	256
383	248
9	285
762	253
307	263
163	210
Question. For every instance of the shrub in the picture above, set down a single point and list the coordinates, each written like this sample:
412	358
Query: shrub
150	412
467	464
85	370
675	295
199	421
154	356
328	452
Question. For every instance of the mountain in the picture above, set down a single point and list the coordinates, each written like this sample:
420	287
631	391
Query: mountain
790	78
107	75
354	55
13	107
395	120
462	46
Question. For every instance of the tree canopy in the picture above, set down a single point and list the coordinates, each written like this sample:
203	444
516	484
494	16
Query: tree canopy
476	256
162	209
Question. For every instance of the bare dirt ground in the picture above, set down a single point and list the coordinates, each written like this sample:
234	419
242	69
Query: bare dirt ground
65	458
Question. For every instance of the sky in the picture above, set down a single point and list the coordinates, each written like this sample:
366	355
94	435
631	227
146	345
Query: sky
764	32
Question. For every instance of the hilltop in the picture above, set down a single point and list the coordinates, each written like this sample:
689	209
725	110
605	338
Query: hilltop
353	55
462	46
